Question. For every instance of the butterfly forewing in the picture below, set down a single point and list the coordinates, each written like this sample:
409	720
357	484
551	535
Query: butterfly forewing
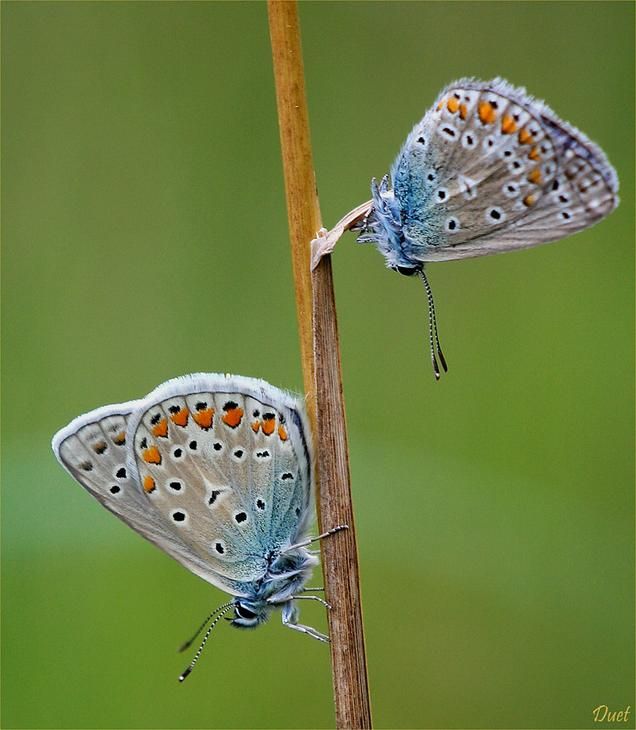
212	455
491	169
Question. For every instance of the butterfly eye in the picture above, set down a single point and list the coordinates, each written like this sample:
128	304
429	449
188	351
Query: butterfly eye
242	612
405	270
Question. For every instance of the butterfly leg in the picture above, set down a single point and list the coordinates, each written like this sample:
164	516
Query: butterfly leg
313	598
311	590
304	543
363	226
290	620
307	630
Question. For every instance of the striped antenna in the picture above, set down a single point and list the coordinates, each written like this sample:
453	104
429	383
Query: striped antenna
222	610
188	643
432	329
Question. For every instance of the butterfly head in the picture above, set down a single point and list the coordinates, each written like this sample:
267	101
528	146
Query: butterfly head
407	270
383	226
250	614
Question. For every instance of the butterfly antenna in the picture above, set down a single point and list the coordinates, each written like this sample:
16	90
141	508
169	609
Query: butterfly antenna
221	611
432	329
188	643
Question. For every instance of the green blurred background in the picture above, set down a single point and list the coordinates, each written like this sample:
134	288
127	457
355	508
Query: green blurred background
145	236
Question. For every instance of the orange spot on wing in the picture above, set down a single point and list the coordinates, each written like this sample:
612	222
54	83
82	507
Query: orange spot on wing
508	125
233	417
181	417
463	111
255	426
534	153
151	455
535	176
161	429
529	200
204	418
486	111
149	484
452	105
120	438
440	105
282	433
268	426
525	137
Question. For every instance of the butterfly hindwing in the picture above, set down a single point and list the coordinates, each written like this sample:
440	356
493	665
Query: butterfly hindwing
491	169
212	454
93	448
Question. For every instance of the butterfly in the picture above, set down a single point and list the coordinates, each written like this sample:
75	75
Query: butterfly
217	471
488	169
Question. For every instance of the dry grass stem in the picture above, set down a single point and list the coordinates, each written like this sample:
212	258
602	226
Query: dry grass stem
320	356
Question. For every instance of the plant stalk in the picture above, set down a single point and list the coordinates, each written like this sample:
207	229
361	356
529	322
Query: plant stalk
320	356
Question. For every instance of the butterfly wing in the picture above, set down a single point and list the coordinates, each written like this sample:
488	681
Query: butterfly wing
224	463
490	169
93	449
